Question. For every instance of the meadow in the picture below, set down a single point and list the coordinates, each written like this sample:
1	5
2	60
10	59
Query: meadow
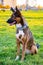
8	46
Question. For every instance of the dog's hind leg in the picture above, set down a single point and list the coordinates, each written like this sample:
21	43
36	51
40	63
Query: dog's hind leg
34	49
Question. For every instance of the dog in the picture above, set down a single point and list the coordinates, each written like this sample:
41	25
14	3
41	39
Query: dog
23	34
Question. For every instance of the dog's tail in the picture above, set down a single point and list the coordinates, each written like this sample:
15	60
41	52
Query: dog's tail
38	46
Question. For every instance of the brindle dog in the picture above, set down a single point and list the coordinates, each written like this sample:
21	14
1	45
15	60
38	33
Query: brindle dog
27	40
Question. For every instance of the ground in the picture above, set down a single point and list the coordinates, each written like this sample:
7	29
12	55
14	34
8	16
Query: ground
8	47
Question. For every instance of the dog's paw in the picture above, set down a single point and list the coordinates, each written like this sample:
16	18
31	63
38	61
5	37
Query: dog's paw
17	57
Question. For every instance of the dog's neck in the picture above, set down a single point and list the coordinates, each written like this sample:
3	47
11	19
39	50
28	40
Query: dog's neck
22	21
22	24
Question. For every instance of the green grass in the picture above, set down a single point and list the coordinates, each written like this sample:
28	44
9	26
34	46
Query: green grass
8	39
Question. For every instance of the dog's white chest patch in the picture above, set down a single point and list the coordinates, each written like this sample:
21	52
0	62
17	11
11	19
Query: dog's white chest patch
20	33
20	30
18	25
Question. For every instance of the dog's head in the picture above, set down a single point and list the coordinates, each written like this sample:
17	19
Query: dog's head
16	17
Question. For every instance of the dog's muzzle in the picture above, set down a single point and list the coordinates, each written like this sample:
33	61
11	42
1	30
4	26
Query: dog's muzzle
11	21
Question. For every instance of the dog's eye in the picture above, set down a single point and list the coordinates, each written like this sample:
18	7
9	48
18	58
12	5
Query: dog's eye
13	16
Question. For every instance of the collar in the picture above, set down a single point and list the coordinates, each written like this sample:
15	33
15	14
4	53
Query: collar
19	26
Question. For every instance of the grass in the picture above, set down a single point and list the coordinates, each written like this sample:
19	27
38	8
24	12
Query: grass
8	39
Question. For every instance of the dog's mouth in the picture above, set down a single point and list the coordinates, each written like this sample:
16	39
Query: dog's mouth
11	22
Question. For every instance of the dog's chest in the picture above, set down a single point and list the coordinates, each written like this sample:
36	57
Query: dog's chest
19	30
19	27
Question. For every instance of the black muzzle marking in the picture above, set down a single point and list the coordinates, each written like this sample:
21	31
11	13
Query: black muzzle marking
11	21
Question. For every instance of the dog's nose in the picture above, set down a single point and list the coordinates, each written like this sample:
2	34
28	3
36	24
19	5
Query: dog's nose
10	20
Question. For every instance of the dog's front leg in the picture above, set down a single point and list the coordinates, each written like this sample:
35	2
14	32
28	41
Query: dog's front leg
24	49
18	49
23	52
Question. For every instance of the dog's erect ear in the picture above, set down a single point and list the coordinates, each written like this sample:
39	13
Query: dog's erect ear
17	9
12	9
